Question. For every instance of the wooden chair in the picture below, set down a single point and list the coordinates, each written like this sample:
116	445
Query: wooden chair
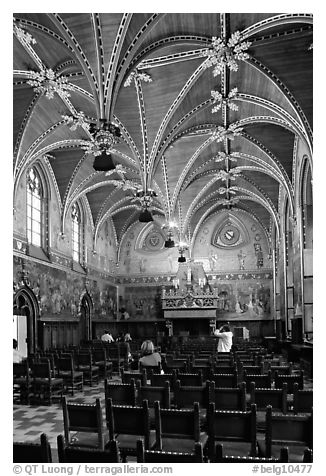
178	429
237	429
281	369
204	369
101	361
126	423
252	369
44	386
157	380
276	398
128	376
229	398
151	456
221	458
153	394
22	385
33	452
294	431
302	400
85	365
114	356
72	379
190	379
120	393
86	423
77	454
260	381
224	369
185	396
290	380
224	380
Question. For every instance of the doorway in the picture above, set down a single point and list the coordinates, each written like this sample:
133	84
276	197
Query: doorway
25	315
85	328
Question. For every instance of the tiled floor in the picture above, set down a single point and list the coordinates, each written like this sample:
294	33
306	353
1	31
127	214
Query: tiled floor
30	421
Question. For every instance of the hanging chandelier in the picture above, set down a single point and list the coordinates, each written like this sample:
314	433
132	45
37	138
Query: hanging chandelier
104	138
182	248
145	198
170	226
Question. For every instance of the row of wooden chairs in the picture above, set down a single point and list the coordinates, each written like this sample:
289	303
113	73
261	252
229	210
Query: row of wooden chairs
41	453
181	428
221	378
224	398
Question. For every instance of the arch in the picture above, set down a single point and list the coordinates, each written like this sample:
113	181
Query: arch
85	312
25	303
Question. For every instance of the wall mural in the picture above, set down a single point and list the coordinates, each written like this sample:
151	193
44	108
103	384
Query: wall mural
246	299
58	291
143	302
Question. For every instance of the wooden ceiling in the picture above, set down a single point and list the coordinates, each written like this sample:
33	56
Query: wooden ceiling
167	122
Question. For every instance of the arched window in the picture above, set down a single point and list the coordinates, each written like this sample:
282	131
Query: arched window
76	229
35	208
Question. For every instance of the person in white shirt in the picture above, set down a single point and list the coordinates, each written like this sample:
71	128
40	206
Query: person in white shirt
17	356
107	337
224	336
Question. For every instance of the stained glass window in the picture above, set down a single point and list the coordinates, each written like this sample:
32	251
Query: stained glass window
34	208
76	232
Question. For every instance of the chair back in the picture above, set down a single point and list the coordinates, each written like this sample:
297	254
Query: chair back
33	452
189	379
224	380
127	376
82	417
120	393
185	396
77	454
253	369
224	369
290	380
127	420
153	394
41	370
260	381
65	364
21	370
84	358
276	398
302	399
229	398
221	458
176	423
148	456
157	380
287	429
232	425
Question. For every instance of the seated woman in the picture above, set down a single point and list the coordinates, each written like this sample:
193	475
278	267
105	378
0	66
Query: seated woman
149	357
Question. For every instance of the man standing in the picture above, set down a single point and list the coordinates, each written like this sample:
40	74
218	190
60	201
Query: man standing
224	336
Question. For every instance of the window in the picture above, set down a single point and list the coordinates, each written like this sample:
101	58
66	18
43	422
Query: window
34	208
76	232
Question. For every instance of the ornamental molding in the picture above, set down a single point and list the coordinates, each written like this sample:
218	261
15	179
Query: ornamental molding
222	53
135	76
48	82
227	101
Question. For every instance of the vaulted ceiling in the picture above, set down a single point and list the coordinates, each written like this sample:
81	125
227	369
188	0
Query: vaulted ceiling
149	75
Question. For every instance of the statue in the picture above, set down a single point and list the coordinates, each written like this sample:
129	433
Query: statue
241	258
212	261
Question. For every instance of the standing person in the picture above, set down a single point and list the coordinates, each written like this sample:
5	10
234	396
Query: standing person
107	337
149	357
224	336
17	356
